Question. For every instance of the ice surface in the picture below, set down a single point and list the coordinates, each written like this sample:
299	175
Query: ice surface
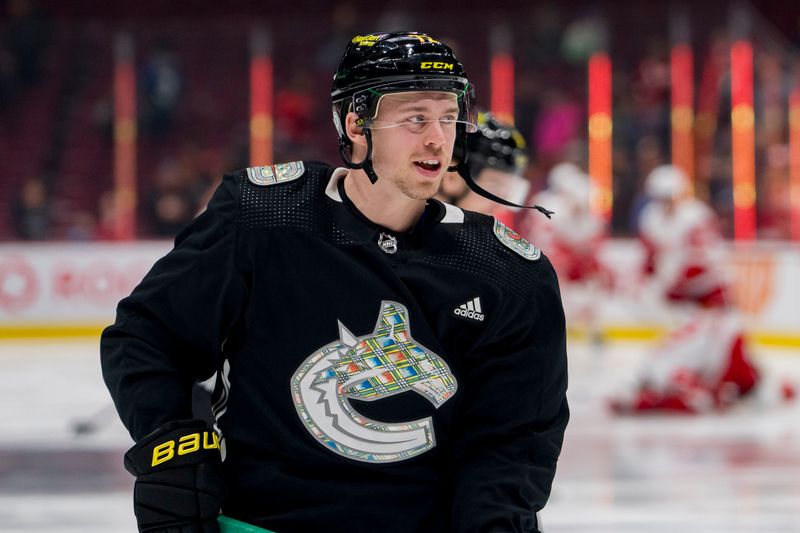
733	473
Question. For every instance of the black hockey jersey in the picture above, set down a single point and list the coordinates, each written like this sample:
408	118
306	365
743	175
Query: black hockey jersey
368	381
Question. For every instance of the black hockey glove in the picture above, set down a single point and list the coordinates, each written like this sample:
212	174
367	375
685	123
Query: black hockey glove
179	487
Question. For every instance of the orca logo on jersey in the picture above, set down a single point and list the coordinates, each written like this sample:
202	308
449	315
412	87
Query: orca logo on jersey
386	362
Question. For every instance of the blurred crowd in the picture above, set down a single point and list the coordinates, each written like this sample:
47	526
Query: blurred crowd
192	107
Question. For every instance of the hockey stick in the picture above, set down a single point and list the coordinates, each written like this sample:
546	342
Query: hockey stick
107	414
231	525
94	422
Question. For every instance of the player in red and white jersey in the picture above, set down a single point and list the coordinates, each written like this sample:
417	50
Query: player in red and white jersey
572	240
574	237
704	364
681	237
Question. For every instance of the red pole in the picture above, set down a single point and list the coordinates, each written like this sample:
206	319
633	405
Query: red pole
502	102
681	69
502	75
794	161
743	141
124	139
261	91
706	119
600	127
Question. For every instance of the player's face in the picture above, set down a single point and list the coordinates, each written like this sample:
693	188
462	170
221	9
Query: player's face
413	136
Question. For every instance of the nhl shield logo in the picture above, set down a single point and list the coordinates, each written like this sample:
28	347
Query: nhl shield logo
514	241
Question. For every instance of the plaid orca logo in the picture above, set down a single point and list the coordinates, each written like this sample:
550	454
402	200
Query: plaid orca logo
386	362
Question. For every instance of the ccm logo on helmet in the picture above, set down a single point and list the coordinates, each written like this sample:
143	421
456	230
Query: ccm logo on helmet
469	314
438	65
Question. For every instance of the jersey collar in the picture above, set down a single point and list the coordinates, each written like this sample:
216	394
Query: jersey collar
438	222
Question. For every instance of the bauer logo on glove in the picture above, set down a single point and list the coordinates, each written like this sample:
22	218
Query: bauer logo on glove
186	444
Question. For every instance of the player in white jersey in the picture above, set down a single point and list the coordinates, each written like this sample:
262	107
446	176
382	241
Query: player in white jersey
572	240
703	365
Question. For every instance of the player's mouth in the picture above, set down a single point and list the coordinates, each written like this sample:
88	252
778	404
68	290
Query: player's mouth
428	167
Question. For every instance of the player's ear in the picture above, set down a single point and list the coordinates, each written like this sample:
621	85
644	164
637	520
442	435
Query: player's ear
354	133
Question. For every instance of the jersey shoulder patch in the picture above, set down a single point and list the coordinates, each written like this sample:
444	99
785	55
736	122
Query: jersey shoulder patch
514	241
275	174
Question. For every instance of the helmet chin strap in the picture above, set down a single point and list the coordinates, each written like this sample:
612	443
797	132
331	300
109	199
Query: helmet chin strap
366	163
463	170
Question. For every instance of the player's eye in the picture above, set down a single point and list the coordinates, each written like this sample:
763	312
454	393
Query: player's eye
417	123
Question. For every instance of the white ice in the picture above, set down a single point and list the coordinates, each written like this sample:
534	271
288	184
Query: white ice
732	473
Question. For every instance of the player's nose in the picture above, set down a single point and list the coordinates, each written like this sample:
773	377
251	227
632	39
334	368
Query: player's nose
435	134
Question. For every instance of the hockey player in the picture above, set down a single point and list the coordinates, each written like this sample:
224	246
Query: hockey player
386	362
497	158
572	242
703	365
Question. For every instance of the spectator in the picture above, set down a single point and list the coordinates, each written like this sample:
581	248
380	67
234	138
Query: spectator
8	81
31	211
106	219
27	38
295	111
558	123
343	24
585	35
162	86
82	227
170	205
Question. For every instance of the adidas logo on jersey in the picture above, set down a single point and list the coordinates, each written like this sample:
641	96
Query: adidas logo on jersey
471	309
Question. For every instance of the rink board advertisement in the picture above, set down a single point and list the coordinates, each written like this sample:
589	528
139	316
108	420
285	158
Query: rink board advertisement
763	280
72	288
53	289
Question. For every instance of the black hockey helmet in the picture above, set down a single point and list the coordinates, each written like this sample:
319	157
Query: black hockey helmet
377	64
496	145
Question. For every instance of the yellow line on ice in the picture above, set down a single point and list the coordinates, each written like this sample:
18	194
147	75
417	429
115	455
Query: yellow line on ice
53	331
